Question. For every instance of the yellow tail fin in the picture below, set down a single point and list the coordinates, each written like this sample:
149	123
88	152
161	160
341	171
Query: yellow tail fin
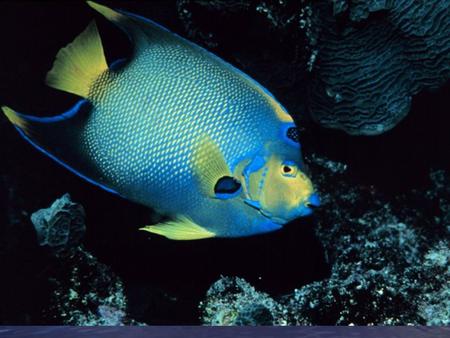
79	64
15	119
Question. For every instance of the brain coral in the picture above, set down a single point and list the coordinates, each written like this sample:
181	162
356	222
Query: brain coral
373	56
366	58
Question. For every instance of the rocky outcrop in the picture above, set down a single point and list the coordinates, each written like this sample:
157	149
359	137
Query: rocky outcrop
390	262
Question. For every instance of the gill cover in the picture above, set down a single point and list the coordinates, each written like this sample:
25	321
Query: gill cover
286	190
277	187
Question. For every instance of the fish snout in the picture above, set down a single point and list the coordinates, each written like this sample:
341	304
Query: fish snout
313	201
307	207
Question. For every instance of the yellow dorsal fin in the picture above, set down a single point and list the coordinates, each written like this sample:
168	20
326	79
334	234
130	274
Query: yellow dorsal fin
280	112
208	164
182	229
107	12
79	64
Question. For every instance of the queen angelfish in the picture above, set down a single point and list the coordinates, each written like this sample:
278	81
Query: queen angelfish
177	129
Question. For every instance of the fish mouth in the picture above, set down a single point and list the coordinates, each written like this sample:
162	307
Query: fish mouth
299	212
268	215
277	220
313	201
256	205
305	209
308	207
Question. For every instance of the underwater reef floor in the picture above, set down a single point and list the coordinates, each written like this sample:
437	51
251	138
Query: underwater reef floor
389	265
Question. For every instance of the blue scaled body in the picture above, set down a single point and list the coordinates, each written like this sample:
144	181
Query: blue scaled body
177	129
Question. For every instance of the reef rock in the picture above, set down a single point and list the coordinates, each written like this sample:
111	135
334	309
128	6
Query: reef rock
233	301
390	265
89	292
60	227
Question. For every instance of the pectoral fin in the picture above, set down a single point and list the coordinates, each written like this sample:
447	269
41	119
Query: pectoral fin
182	229
209	166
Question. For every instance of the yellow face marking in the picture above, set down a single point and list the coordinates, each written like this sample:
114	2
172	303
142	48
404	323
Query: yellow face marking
280	187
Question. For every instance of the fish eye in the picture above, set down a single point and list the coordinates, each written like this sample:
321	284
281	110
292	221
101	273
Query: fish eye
289	170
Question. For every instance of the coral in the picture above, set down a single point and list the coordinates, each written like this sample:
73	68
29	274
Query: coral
232	301
360	62
373	57
369	283
89	293
434	306
382	266
60	227
360	10
390	264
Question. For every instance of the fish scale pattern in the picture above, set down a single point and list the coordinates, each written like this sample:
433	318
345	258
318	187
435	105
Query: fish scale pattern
149	116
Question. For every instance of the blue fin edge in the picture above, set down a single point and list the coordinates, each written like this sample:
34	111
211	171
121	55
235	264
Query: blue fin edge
65	165
117	64
66	115
264	89
58	118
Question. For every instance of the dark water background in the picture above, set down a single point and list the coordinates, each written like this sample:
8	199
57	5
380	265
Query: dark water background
31	33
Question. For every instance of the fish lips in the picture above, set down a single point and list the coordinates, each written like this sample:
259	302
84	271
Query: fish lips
305	209
308	207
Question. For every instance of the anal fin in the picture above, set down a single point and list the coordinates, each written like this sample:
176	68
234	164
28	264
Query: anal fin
182	228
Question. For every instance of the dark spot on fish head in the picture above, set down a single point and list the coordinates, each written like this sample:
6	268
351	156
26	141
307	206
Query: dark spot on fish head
293	134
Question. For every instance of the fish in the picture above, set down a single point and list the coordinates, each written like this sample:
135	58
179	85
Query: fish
174	128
